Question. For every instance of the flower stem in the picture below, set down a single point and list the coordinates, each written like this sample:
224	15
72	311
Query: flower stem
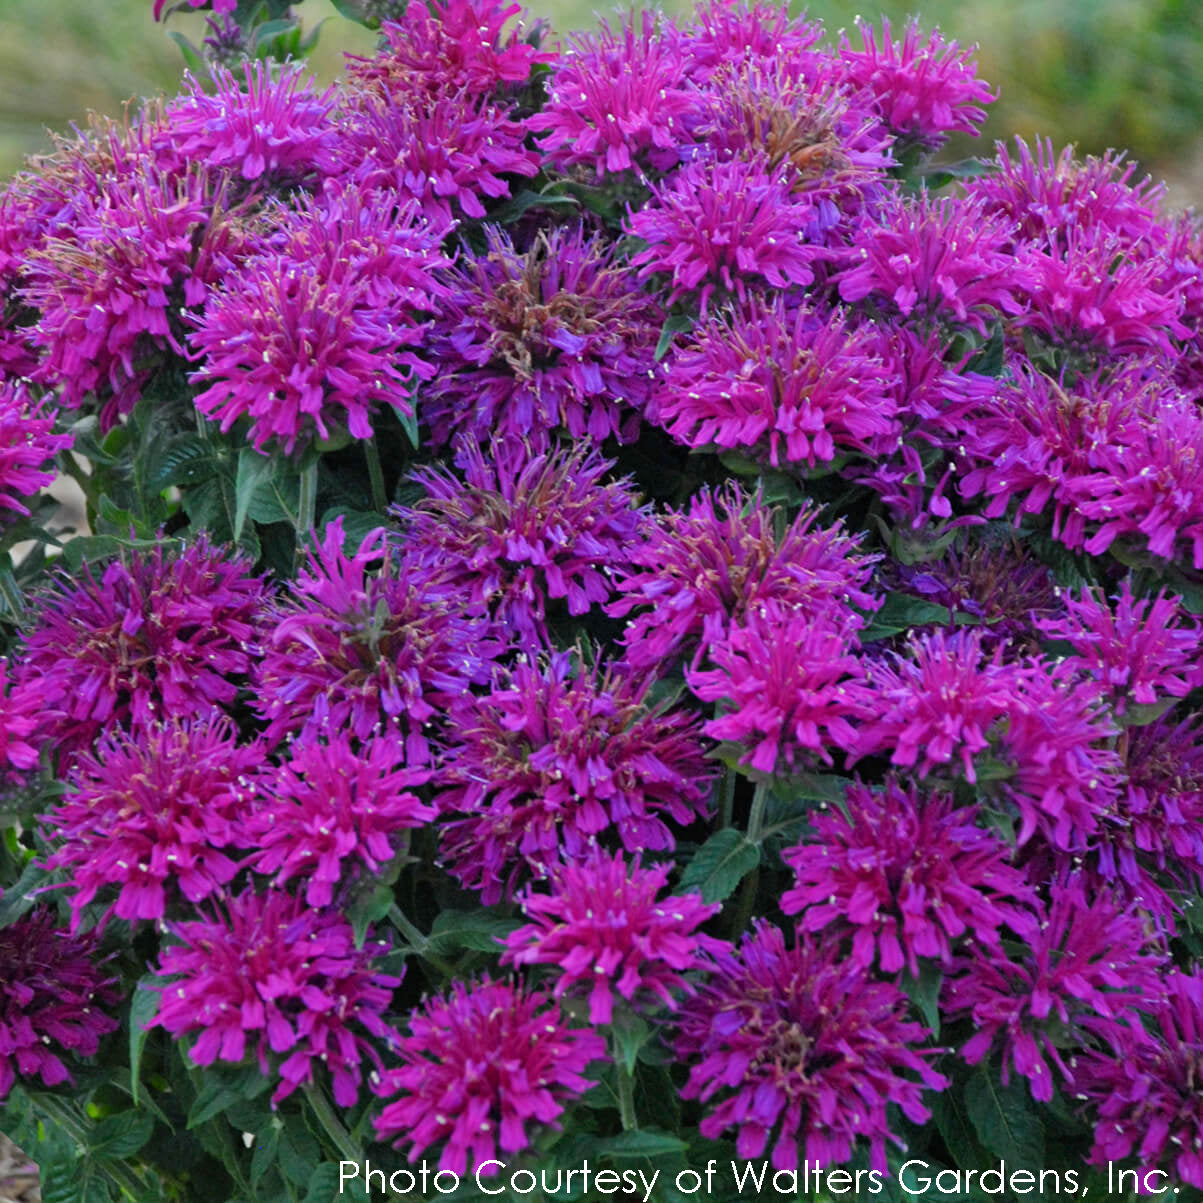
756	815
626	1091
307	502
375	474
417	941
727	797
332	1125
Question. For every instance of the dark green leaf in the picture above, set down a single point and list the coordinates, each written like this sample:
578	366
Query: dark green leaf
1005	1118
900	612
646	1142
478	930
300	1154
1142	714
676	324
368	907
924	992
119	1136
631	1033
719	865
187	460
960	1138
408	418
143	1009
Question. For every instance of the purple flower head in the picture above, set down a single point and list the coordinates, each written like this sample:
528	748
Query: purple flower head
1045	443
834	151
154	814
1080	979
449	153
23	713
617	102
144	244
28	446
936	259
1099	295
275	130
1139	650
365	651
789	689
1047	193
908	873
1057	738
727	34
520	532
314	334
446	47
924	89
803	1047
790	385
481	1065
556	756
53	999
331	810
603	929
1148	1101
699	572
267	973
553	337
938	704
163	635
731	224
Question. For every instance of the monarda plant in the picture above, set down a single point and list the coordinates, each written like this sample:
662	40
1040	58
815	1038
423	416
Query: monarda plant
635	631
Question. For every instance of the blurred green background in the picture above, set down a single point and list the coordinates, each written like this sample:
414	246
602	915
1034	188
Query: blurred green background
1101	73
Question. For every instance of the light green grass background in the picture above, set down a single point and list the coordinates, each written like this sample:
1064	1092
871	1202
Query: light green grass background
1124	73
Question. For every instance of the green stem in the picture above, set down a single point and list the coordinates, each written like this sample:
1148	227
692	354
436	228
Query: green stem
332	1125
756	816
307	503
626	1091
375	474
418	942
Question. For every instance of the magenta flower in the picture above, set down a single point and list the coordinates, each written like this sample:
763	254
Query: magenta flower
522	533
733	225
803	1048
23	711
790	385
268	974
277	130
1148	1100
482	1064
603	929
789	690
1139	650
315	333
365	653
619	101
446	47
553	337
448	153
698	573
557	755
726	35
28	446
938	704
331	810
164	635
1047	193
908	873
1097	293
934	259
924	91
1081	979
54	999
155	815
144	244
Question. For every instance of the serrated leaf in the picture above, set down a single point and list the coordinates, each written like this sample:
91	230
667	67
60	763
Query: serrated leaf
1005	1118
119	1136
719	865
924	992
187	460
960	1138
646	1142
480	931
143	1009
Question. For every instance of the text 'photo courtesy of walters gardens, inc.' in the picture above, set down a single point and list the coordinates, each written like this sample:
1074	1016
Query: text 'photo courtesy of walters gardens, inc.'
913	1179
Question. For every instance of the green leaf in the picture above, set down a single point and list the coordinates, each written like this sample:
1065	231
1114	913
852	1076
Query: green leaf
121	1136
924	992
187	460
1142	714
719	865
631	1033
265	1153
222	1091
368	907
526	199
19	898
408	417
142	1010
1005	1118
646	1142
266	488
900	612
92	549
676	324
960	1138
300	1154
477	930
192	56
